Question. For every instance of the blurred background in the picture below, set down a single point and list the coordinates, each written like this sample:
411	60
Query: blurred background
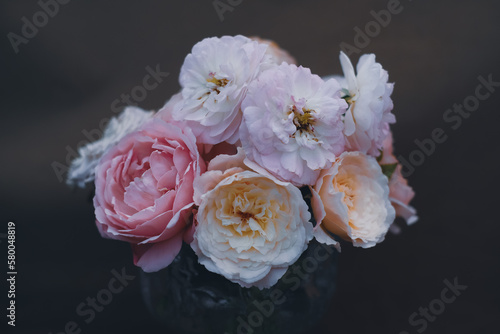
60	79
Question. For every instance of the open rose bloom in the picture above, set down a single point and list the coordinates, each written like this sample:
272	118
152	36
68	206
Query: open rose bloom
229	164
144	191
351	200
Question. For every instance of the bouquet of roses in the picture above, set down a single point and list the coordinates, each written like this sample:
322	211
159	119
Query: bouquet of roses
228	163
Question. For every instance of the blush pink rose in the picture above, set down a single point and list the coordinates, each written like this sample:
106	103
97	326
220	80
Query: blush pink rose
400	193
166	112
144	191
292	124
207	151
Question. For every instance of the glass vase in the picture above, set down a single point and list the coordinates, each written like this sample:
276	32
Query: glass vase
189	299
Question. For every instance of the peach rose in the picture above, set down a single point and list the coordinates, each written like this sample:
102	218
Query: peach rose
250	227
144	191
351	200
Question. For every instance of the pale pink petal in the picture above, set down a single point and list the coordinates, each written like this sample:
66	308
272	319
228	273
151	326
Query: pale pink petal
153	257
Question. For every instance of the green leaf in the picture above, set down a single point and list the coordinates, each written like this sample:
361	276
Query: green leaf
389	169
379	158
345	93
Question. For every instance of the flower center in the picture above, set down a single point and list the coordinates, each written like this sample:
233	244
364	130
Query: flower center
244	216
303	120
219	83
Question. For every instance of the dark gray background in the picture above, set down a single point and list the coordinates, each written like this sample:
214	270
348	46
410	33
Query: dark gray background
64	80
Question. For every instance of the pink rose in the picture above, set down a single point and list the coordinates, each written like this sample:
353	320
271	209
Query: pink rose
400	193
144	191
292	125
207	151
166	112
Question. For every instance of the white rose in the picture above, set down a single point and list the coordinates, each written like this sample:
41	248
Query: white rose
82	169
369	94
250	227
214	80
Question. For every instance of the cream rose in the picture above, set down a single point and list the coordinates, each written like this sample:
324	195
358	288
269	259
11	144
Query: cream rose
250	227
351	200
